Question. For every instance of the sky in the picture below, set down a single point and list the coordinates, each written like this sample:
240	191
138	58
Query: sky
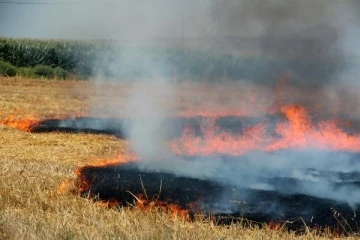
108	20
149	19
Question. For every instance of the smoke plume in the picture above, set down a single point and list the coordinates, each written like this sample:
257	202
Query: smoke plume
314	34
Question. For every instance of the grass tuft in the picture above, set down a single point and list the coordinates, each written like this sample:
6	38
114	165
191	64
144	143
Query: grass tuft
39	71
44	71
7	70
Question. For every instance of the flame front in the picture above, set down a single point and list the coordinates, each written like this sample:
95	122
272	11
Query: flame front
24	123
174	209
297	131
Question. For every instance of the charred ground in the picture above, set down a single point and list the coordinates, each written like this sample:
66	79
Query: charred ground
42	161
124	184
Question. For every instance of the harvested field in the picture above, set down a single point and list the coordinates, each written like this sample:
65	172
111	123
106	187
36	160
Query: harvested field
37	197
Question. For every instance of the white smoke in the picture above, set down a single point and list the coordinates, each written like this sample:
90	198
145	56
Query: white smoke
148	105
286	28
317	173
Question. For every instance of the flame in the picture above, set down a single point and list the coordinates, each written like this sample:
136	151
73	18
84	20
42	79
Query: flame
215	142
21	123
121	158
174	209
274	225
66	187
297	131
27	122
212	113
83	185
111	203
144	204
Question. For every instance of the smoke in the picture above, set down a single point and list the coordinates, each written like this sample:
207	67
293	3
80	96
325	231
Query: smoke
328	175
315	34
307	35
146	106
342	94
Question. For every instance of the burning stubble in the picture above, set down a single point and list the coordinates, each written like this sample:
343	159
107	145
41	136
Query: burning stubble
292	152
295	148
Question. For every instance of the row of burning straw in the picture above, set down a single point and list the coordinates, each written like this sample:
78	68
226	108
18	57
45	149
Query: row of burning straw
297	131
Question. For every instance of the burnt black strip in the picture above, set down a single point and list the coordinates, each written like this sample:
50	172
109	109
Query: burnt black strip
171	127
222	200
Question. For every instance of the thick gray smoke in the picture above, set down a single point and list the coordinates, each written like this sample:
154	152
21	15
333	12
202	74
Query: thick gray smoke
325	31
294	30
317	173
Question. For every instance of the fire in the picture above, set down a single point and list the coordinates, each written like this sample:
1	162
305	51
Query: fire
215	142
275	225
141	200
144	204
211	113
297	131
174	209
84	185
25	123
111	203
66	187
121	158
300	132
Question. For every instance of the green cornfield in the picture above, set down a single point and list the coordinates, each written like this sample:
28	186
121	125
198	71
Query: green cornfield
95	58
72	56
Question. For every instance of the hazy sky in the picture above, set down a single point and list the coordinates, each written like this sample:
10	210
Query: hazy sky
116	19
144	19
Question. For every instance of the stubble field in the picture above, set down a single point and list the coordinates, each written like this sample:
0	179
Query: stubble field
36	204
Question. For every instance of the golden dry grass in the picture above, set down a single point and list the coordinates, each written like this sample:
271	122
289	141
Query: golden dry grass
33	166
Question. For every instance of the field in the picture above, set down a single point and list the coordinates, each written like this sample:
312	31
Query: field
94	58
34	166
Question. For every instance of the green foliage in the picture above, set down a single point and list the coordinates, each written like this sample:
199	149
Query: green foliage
71	56
7	70
44	71
60	73
26	72
90	58
49	72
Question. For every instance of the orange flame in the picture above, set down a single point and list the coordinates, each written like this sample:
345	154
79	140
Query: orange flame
111	203
25	123
142	203
121	158
84	185
274	225
174	209
297	131
218	143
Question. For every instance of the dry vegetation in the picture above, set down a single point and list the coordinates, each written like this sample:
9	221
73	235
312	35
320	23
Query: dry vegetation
33	166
